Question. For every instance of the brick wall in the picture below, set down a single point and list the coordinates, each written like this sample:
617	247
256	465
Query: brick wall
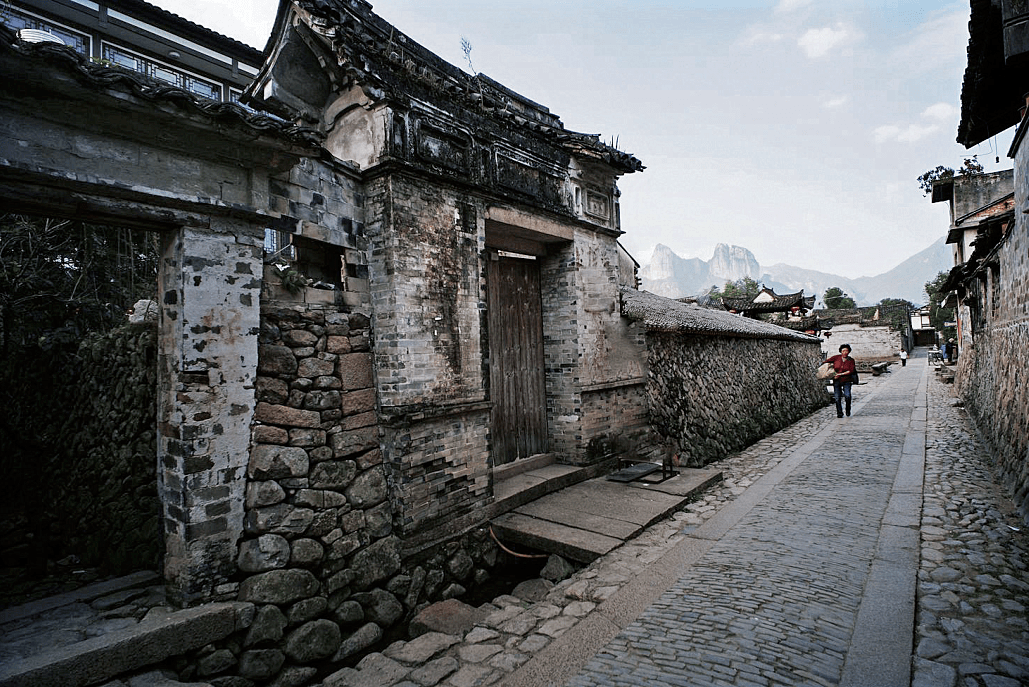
428	291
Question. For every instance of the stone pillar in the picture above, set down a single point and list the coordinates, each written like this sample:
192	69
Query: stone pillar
209	290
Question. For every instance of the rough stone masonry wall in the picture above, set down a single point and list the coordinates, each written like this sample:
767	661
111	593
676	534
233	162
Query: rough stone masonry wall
716	395
995	382
89	490
320	556
104	490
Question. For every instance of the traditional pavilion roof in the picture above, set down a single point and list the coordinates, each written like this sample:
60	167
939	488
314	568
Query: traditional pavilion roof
864	317
660	314
768	301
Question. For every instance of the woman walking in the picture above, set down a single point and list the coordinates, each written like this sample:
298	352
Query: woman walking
846	372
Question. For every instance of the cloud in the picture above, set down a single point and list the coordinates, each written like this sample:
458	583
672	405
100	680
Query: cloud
937	45
819	42
938	114
791	5
835	102
941	112
755	36
909	134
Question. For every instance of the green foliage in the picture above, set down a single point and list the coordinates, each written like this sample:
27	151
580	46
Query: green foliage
741	288
925	181
896	311
835	299
292	280
938	315
971	167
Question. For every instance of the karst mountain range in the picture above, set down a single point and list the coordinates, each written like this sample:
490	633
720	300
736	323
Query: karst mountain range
669	275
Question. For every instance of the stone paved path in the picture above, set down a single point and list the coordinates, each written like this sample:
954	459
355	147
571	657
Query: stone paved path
778	598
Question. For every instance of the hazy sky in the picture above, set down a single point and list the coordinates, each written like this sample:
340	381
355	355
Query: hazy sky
794	128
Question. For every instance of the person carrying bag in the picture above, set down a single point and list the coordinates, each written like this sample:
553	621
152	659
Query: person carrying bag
845	375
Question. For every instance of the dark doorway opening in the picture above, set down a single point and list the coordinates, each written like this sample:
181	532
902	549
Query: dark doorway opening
78	384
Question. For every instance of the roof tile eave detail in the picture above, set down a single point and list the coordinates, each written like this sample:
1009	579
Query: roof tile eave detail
99	76
661	314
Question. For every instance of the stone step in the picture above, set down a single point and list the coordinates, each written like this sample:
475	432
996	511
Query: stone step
85	594
100	659
589	519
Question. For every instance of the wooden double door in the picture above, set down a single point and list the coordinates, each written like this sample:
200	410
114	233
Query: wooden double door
517	374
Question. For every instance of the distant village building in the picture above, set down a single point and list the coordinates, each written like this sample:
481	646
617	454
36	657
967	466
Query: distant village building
981	210
768	302
870	336
142	38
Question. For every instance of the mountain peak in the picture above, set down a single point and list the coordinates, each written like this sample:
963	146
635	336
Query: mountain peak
672	276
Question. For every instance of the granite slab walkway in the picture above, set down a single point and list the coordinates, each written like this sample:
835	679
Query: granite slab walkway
589	519
807	578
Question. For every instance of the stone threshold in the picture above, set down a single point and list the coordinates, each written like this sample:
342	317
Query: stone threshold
100	659
591	518
91	592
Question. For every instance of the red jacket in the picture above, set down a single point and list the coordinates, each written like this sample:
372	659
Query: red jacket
845	368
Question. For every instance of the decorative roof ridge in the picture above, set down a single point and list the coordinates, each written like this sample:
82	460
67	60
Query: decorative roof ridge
98	75
363	40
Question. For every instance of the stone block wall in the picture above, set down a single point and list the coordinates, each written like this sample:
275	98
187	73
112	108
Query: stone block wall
715	395
320	556
324	202
992	375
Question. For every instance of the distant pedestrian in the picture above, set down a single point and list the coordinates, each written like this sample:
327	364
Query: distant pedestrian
952	351
903	357
846	371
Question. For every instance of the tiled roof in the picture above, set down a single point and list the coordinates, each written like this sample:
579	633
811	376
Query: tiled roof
100	76
992	89
802	324
657	313
777	303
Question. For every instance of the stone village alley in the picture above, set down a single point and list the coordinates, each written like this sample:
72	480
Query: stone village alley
874	550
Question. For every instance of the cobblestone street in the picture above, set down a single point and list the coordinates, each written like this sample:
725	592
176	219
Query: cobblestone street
972	580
